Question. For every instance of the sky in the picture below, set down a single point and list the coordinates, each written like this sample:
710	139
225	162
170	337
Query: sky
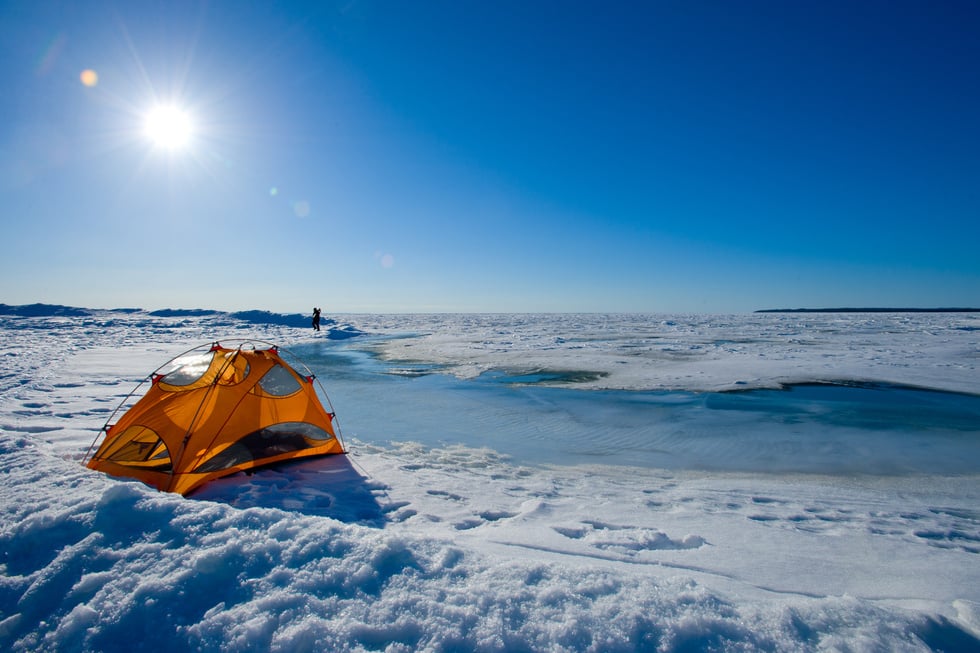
504	156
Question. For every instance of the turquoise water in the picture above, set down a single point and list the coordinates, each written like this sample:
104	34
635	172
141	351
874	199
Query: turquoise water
818	428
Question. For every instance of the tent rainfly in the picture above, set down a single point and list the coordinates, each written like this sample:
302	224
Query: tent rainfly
214	411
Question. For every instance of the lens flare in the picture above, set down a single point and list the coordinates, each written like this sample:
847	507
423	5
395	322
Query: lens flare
301	209
89	77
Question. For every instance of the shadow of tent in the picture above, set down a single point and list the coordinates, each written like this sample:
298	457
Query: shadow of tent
328	486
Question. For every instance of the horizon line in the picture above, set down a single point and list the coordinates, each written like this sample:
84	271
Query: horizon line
66	310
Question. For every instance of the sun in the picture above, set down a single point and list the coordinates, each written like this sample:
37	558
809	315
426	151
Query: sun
168	127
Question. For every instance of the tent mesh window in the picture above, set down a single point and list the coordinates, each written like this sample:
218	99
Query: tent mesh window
270	441
279	382
188	369
139	446
193	371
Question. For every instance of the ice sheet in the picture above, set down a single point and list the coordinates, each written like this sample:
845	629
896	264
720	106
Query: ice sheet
696	352
454	545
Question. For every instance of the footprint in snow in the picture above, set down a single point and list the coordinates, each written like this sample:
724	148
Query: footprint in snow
628	540
446	495
483	518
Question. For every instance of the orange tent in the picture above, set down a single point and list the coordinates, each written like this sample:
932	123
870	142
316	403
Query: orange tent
214	411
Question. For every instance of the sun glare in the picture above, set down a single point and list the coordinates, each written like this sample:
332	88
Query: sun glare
168	127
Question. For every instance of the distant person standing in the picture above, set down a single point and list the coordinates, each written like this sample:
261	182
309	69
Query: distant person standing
316	319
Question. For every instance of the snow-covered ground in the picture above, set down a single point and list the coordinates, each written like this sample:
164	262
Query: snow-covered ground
700	352
428	536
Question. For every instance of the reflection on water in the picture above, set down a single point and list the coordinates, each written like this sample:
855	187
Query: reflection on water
824	428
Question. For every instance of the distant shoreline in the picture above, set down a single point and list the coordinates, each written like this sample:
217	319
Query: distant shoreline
869	310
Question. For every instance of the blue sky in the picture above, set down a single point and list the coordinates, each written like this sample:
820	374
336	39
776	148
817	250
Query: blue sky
492	156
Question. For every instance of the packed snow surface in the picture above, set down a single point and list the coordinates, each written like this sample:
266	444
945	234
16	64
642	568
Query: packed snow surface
774	482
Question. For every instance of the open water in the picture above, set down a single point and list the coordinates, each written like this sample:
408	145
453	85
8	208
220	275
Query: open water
804	428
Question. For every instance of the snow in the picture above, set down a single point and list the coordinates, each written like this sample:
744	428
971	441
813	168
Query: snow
455	541
702	352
